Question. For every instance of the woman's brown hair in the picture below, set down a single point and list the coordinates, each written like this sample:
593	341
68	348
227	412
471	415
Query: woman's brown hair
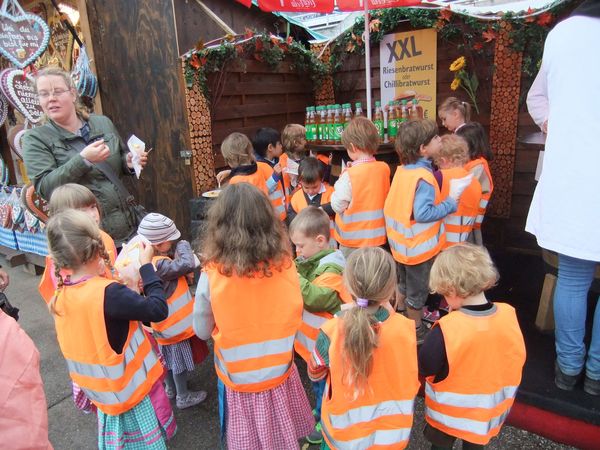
80	109
370	275
73	240
243	236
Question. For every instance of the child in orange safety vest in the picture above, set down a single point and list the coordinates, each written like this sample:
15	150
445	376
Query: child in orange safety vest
414	211
320	269
99	331
368	354
479	155
174	334
249	301
267	150
239	155
293	141
360	192
473	357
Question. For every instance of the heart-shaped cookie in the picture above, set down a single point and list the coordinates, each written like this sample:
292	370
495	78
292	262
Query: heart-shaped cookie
19	90
23	38
3	109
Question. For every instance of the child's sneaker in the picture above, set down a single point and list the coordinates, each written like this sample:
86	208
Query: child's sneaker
170	392
316	436
431	316
590	386
190	399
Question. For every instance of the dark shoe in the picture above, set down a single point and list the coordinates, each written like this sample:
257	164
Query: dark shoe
316	436
564	381
422	331
590	386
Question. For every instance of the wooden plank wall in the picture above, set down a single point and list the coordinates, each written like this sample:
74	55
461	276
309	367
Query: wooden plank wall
135	45
253	96
350	87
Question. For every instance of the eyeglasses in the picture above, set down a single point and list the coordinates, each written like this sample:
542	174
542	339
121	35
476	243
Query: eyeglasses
43	95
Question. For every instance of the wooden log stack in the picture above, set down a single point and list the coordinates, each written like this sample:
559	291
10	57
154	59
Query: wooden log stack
324	94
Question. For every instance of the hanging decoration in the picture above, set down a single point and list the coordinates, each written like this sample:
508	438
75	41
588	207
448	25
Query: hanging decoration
61	44
23	37
84	79
19	90
3	109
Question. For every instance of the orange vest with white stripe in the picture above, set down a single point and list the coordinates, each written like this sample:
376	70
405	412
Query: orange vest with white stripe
382	415
256	320
115	383
312	321
411	242
299	203
256	179
362	223
287	180
460	224
484	176
177	326
486	354
277	195
47	284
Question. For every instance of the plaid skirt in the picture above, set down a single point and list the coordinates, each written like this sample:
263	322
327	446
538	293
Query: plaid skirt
273	419
135	429
178	357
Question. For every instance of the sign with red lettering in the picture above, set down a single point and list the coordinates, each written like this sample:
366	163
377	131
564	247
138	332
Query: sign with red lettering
19	90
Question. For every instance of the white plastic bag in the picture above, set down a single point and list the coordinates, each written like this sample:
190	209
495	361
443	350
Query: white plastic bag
128	262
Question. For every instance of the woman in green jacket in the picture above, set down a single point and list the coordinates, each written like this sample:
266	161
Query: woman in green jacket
69	145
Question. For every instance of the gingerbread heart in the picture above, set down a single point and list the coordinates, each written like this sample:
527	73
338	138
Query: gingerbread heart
3	109
19	90
23	38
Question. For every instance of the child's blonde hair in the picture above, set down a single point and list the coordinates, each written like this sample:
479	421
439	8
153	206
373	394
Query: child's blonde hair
411	135
237	150
455	150
291	138
464	270
311	222
73	240
363	134
244	237
370	274
71	196
454	104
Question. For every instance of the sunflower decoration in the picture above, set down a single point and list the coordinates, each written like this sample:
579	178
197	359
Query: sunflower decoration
468	81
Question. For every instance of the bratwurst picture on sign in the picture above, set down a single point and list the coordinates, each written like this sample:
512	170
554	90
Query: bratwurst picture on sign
408	67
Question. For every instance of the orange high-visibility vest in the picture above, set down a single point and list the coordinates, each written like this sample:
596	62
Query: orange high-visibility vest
47	284
256	179
177	326
115	383
299	203
256	320
486	354
411	242
460	224
277	195
487	185
312	321
382	415
362	223
287	181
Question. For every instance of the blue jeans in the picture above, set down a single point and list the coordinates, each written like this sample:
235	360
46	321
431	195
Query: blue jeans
318	388
575	277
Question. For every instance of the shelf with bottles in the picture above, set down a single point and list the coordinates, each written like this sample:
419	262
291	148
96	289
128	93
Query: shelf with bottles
386	147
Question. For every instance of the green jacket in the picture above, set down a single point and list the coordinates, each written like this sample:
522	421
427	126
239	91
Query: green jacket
51	162
320	298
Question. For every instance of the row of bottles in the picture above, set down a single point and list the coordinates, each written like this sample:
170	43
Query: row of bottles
325	124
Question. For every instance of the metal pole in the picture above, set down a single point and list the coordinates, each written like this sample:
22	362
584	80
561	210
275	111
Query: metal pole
368	58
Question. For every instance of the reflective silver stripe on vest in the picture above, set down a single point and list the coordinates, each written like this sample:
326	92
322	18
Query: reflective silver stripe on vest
253	376
361	216
467	425
483	203
361	234
307	343
408	232
371	412
111	372
479	218
456	237
265	348
312	320
479	401
98	371
279	209
417	250
459	221
181	325
379	437
276	194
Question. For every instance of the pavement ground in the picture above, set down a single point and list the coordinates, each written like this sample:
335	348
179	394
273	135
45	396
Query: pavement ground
198	427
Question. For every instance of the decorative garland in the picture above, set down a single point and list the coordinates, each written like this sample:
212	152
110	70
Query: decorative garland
474	37
270	49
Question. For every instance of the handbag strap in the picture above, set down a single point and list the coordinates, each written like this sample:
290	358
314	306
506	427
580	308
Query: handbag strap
108	172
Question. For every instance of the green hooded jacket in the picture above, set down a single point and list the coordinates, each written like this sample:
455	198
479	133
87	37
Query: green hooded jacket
319	298
51	162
